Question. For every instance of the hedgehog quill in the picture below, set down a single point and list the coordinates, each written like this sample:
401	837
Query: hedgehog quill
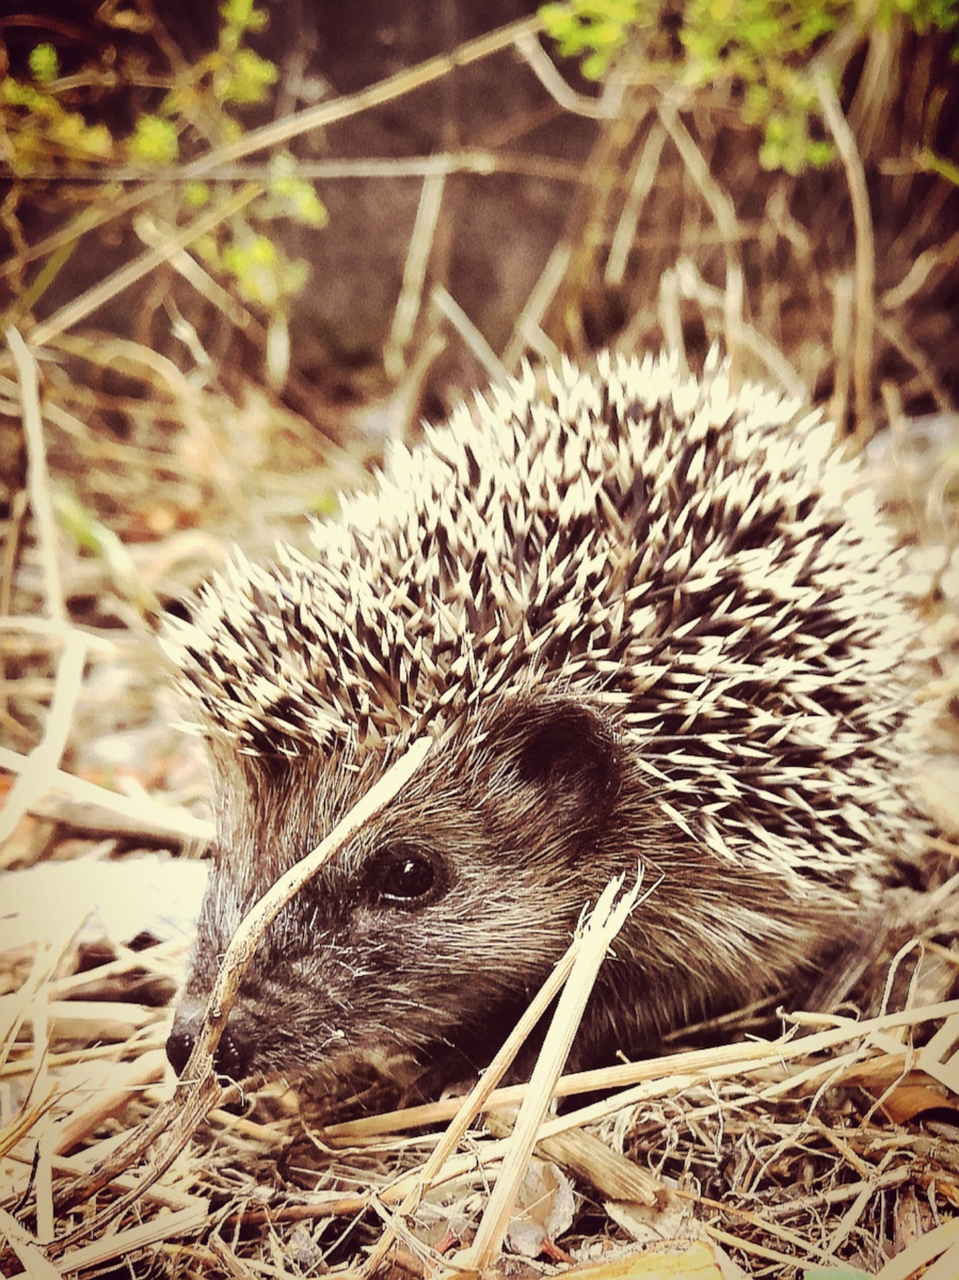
647	621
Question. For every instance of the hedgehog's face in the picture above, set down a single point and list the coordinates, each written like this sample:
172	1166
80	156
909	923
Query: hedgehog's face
429	931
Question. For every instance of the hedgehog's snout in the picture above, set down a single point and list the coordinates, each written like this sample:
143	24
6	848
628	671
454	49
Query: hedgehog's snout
233	1054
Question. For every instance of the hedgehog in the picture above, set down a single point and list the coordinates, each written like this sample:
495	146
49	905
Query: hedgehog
650	622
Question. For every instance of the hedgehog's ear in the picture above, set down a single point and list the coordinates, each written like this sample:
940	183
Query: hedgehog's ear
571	753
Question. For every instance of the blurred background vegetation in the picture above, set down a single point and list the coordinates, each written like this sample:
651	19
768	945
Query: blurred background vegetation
248	245
367	211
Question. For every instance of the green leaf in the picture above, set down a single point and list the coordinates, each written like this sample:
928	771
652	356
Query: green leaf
44	63
248	80
242	16
197	195
153	141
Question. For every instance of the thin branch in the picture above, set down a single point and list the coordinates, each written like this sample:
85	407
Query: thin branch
937	259
409	303
326	113
724	212
289	127
692	285
41	764
63	797
129	274
527	330
465	160
544	69
640	184
865	268
843	323
38	475
467	330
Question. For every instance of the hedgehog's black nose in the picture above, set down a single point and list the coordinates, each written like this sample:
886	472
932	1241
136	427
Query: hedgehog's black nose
232	1056
179	1046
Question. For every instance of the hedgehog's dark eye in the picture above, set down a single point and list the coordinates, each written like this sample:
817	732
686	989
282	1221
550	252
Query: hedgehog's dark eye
406	877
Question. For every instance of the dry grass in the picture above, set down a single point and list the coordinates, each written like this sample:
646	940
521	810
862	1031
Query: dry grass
791	1144
832	1143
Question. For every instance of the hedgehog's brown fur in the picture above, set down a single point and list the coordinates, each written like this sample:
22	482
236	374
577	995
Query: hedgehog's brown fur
647	621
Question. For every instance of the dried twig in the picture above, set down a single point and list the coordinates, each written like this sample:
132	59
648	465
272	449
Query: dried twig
526	330
275	133
588	941
41	764
38	476
724	212
28	1250
604	924
471	336
45	758
640	183
414	276
692	285
845	141
544	69
657	1077
129	274
326	113
54	793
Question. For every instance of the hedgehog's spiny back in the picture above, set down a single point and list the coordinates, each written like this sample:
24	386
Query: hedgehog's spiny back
697	560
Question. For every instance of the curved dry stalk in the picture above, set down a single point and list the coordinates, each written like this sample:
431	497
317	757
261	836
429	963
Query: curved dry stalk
596	936
141	266
38	476
564	95
410	302
395	86
865	268
724	212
